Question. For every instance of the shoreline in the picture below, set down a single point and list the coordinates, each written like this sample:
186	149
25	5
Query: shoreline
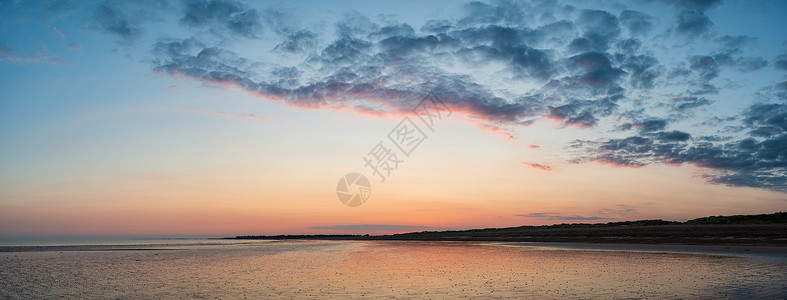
683	234
755	251
777	252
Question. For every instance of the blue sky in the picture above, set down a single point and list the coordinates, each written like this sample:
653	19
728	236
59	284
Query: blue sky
260	102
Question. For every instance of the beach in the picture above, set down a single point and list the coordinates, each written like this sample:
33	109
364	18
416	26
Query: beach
392	269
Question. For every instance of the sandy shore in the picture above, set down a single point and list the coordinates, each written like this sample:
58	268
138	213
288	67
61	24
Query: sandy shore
761	251
773	252
296	269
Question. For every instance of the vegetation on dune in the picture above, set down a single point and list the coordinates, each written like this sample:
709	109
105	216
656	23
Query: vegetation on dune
774	218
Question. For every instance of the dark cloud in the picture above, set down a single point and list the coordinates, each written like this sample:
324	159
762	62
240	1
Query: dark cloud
110	18
582	113
766	114
636	22
346	51
553	216
701	5
396	47
706	66
751	64
642	69
589	92
758	161
281	21
599	22
734	43
366	54
355	24
781	90
299	41
673	136
699	87
437	26
190	58
741	63
651	125
683	104
628	46
505	12
599	28
125	19
716	121
225	14
780	62
578	67
376	227
403	30
693	23
495	43
691	20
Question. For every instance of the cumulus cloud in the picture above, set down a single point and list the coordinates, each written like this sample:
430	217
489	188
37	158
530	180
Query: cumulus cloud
300	41
636	22
758	161
693	23
222	14
690	16
108	18
781	62
579	67
125	19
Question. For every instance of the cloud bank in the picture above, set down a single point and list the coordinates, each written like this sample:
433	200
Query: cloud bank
507	64
376	227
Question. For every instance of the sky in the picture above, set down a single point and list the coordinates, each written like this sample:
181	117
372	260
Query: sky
222	117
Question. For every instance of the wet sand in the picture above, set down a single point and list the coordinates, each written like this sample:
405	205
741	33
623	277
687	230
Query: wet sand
387	269
773	252
769	252
113	247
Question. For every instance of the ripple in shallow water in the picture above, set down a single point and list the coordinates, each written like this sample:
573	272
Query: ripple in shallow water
333	269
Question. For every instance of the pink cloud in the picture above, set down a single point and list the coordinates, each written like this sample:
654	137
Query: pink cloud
499	130
537	166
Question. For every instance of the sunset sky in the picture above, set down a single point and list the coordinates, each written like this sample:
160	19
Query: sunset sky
221	118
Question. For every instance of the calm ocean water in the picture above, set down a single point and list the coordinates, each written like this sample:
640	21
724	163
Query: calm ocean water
107	241
383	269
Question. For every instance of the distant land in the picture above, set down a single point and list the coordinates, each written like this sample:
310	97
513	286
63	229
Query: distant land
763	229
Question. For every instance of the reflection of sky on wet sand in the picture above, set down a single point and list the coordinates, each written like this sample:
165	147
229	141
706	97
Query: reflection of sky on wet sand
385	269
